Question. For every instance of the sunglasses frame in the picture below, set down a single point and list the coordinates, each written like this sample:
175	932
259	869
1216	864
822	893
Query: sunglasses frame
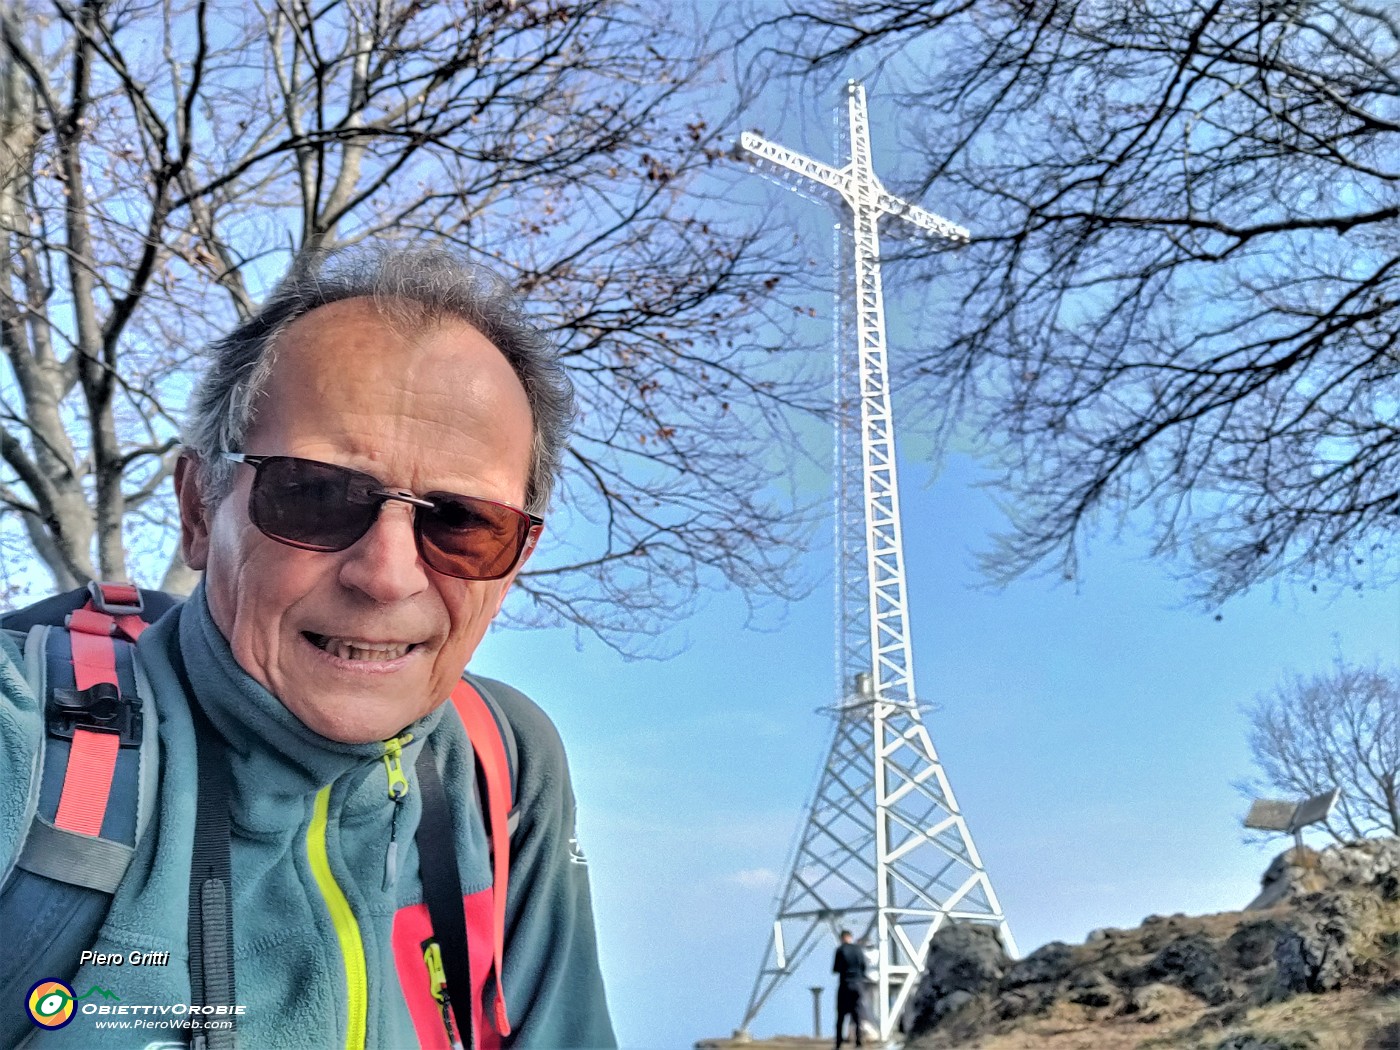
385	494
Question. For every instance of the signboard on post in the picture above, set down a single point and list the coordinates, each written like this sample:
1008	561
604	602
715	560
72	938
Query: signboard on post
1315	810
1291	817
1271	815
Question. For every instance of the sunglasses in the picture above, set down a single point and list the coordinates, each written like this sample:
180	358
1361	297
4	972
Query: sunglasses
317	506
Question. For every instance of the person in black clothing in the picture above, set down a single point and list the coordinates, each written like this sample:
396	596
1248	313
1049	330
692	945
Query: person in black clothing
849	964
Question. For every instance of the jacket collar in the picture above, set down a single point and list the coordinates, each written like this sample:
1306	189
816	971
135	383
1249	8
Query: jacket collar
270	748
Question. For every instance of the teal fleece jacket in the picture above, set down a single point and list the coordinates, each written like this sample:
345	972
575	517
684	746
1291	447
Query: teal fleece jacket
293	962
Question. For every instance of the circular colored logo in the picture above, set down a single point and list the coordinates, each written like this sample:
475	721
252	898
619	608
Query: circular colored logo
51	1004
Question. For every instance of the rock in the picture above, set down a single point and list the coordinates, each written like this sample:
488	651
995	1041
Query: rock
1050	962
1159	930
1150	1003
1173	919
1023	1002
1294	874
1314	955
1360	864
965	957
1096	990
1252	944
926	1012
1389	886
1247	1041
1103	933
1336	928
1193	963
1277	881
1103	996
964	960
1221	1017
1124	969
1386	1038
953	1001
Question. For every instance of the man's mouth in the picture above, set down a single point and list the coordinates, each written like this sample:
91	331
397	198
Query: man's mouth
359	648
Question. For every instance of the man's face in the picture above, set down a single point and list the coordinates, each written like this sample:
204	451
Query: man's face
436	410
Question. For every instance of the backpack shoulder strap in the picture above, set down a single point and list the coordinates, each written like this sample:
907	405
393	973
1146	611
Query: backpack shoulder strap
507	734
95	786
494	746
442	893
95	797
210	918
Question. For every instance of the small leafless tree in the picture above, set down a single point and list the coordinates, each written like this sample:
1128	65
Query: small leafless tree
161	164
1182	298
1337	729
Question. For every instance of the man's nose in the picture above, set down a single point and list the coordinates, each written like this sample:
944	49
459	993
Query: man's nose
384	563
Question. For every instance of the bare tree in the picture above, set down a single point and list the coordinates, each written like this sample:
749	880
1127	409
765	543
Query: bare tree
161	163
1338	729
1182	298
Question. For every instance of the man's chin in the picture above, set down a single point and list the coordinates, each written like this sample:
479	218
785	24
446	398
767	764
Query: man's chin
348	720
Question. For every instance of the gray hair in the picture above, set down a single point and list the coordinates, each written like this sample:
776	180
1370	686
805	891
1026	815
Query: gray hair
413	288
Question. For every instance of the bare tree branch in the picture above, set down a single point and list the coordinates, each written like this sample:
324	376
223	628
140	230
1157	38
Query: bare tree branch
1336	729
1182	298
163	163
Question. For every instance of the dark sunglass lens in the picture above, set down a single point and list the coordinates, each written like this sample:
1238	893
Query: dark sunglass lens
318	506
470	538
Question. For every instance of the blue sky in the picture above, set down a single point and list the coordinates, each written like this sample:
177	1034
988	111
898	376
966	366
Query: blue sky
1090	732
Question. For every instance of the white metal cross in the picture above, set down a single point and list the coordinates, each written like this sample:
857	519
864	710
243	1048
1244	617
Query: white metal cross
885	849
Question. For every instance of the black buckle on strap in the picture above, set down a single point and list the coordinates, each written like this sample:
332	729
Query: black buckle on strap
98	597
100	707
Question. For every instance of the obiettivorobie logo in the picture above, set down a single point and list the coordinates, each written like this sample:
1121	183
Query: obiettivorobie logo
52	1003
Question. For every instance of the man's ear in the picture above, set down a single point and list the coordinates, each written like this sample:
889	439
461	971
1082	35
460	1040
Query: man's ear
194	516
531	542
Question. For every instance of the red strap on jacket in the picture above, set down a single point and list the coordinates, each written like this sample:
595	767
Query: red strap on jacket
485	737
113	610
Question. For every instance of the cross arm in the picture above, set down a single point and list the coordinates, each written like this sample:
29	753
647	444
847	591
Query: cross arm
920	217
797	163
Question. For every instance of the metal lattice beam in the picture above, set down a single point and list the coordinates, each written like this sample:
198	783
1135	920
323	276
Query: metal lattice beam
885	849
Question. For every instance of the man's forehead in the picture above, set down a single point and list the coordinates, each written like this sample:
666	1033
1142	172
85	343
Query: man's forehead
398	323
368	335
345	382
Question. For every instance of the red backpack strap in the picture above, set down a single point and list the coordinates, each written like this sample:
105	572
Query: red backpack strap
116	610
490	750
112	612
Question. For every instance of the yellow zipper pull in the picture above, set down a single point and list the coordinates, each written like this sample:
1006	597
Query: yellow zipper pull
393	765
437	976
437	983
398	791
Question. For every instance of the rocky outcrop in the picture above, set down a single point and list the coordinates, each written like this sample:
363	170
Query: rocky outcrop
1296	873
1324	924
964	961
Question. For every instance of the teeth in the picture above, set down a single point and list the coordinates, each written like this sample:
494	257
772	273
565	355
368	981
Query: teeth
358	650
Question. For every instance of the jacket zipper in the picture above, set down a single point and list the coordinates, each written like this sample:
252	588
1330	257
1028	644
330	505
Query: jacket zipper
437	984
398	791
352	948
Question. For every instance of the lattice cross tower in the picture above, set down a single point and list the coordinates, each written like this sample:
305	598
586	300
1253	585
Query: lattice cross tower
885	849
